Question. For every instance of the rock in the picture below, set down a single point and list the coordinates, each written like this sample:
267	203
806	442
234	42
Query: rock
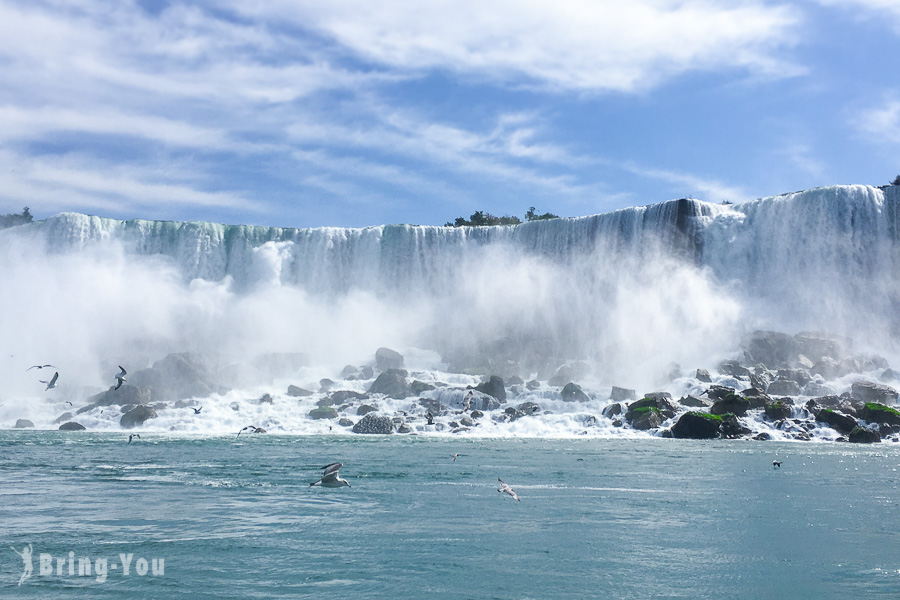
136	416
533	384
703	375
467	422
515	380
612	410
762	436
24	423
341	397
404	428
731	427
888	375
867	391
367	372
433	406
391	383
265	399
298	392
775	410
804	361
648	417
772	348
731	404
783	387
661	401
349	371
345	422
374	424
622	394
838	421
827	367
850	365
817	346
570	372
127	394
325	412
528	408
814	388
325	385
864	435
235	406
365	409
177	377
718	392
66	416
694	402
386	359
493	387
733	368
873	412
71	426
418	387
697	426
572	393
476	414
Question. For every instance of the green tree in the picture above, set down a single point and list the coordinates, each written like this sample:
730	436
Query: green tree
532	216
896	180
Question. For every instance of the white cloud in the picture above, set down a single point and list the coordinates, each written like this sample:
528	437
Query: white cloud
585	45
873	8
882	123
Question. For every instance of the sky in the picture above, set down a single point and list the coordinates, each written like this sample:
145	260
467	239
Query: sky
353	113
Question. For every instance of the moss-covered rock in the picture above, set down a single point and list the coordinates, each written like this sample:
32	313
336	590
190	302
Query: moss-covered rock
864	435
836	420
874	412
697	426
732	403
776	410
324	412
647	417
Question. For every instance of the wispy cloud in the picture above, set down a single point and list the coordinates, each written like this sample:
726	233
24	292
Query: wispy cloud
882	123
870	9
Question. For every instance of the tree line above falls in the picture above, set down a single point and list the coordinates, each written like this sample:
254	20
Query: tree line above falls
482	219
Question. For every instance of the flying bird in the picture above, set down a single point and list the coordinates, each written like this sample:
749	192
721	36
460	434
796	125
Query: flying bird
39	367
507	490
133	435
467	403
776	464
52	383
252	428
455	456
330	477
120	377
197	410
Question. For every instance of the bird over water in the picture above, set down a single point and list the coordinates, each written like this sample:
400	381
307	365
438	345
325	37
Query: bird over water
330	477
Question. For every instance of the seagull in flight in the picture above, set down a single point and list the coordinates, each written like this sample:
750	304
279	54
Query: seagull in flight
507	490
52	383
776	464
120	376
467	403
133	435
330	477
455	456
40	367
252	428
197	410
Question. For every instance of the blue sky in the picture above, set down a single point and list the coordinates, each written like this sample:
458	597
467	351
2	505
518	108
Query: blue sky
354	113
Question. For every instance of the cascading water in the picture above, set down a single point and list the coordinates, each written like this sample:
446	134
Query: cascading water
628	293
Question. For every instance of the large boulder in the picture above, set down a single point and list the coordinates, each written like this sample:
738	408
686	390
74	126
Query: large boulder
391	383
772	348
493	387
697	426
136	416
783	387
648	417
619	394
873	412
23	424
572	392
298	392
868	391
341	397
127	394
661	401
570	372
178	377
864	435
323	413
385	359
776	410
374	424
732	403
836	420
71	426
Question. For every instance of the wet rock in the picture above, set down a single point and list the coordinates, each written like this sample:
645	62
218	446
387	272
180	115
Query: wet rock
127	394
836	420
418	387
528	408
827	367
868	391
386	359
515	380
864	435
467	422
485	402
365	409
345	422
731	427
874	412
349	372
572	393
533	384
733	368
703	375
493	387
341	397
570	372
888	375
776	410
783	387
391	383
694	402
661	401
718	392
817	346
326	412
619	394
136	416
71	426
404	428
731	403
298	392
513	414
814	388
612	410
697	426
476	414
762	436
24	423
66	416
648	417
177	377
235	406
265	399
772	348
325	385
374	424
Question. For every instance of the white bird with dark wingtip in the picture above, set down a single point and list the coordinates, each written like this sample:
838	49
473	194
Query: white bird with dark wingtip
133	435
39	367
52	383
120	377
330	477
507	490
